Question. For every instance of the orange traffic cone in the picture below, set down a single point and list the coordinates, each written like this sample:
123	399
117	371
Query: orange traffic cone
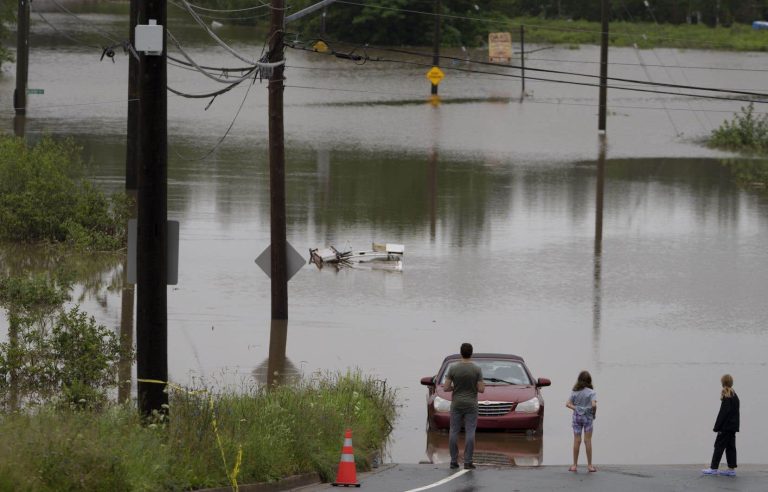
347	474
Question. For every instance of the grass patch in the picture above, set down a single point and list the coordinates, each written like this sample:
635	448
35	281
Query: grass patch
737	37
275	433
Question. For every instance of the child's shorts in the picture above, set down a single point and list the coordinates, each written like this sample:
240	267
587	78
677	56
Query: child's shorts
581	423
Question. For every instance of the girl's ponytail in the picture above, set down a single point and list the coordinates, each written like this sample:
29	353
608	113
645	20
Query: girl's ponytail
727	382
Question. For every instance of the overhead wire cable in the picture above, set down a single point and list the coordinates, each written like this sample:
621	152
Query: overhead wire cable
205	72
245	9
647	72
682	72
533	100
85	21
585	84
65	35
223	44
533	69
689	67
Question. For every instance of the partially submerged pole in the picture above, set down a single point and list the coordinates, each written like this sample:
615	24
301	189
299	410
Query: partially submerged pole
152	230
22	58
604	12
436	42
522	60
279	276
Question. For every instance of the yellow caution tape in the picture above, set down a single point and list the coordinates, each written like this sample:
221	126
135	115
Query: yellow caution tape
231	476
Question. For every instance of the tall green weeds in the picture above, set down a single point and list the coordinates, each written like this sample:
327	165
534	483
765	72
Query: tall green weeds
747	132
276	433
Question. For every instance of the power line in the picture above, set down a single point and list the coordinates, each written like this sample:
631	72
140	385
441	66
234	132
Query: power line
652	65
85	21
360	57
533	100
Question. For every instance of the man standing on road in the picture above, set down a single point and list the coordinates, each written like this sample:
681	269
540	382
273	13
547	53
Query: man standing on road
465	380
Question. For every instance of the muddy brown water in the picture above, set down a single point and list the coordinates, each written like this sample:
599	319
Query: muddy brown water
495	202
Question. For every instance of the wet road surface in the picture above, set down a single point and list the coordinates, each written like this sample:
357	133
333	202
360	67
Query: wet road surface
413	478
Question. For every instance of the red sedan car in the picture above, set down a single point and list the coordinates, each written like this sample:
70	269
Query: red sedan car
511	401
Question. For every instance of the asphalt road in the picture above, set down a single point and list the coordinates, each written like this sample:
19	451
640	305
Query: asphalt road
415	478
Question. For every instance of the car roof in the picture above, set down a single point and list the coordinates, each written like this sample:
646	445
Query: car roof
487	356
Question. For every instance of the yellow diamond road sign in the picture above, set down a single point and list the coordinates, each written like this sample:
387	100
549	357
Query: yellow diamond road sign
435	75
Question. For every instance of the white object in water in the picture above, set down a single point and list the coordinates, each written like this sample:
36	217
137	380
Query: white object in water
216	24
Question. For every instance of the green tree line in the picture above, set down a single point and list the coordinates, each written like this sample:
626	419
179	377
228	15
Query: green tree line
467	22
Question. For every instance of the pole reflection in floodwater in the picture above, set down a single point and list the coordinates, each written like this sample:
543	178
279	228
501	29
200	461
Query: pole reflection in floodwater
125	365
491	448
19	125
597	273
277	369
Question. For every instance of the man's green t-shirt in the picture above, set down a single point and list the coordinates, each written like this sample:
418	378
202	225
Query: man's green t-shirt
465	377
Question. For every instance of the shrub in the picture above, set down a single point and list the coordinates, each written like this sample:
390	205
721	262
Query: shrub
52	354
747	132
43	197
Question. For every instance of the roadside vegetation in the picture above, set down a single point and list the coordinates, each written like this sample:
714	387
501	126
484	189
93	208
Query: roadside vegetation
44	198
701	24
746	133
209	440
6	17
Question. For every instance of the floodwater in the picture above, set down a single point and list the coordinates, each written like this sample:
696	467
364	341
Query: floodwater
496	202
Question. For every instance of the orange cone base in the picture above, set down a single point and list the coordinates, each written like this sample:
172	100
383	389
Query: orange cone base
356	484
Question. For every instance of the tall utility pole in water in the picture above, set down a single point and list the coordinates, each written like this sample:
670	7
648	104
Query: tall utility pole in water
436	41
152	233
604	13
22	58
278	251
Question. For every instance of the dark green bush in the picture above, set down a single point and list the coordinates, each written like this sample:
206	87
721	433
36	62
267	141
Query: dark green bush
43	197
747	132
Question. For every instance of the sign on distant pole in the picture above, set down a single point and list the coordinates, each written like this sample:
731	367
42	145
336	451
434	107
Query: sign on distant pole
435	75
500	47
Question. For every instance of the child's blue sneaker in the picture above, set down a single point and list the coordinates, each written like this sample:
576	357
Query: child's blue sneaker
709	471
727	473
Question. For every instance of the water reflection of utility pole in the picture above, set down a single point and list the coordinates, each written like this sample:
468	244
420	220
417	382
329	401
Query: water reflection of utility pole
597	273
125	365
432	174
278	338
19	125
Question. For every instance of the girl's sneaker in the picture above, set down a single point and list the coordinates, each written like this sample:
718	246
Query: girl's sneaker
709	471
728	473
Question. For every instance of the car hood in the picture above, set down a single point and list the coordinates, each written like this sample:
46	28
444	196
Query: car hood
507	392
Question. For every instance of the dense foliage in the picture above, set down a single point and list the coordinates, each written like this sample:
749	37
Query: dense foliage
210	440
6	17
467	22
747	132
44	198
52	354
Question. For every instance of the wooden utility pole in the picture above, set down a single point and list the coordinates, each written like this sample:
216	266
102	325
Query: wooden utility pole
22	58
277	165
436	41
132	130
152	237
522	59
604	13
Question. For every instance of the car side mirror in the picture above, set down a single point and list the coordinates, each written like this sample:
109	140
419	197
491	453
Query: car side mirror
543	382
428	381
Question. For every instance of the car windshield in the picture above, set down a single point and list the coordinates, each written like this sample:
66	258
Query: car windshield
498	371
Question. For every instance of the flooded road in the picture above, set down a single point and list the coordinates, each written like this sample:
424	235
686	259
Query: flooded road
496	204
